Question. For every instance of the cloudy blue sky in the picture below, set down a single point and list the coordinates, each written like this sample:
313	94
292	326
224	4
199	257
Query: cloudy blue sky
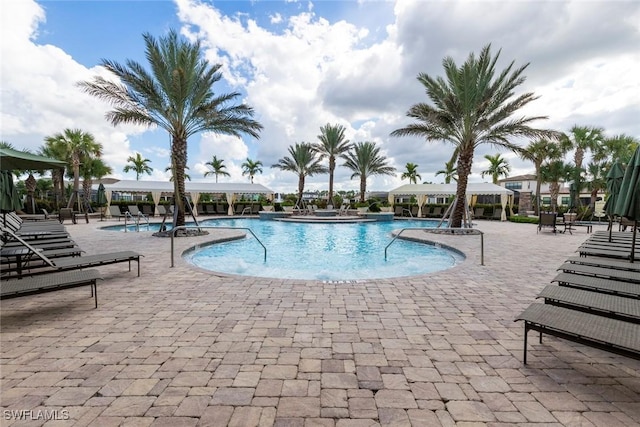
303	64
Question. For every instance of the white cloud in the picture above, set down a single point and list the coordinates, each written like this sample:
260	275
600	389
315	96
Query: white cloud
311	71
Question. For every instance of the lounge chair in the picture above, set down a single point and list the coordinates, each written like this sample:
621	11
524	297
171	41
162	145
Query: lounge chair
478	213
612	306
603	272
81	262
605	262
67	213
147	210
598	284
344	210
608	253
398	211
612	335
414	211
255	209
547	220
437	212
114	212
220	209
14	288
238	208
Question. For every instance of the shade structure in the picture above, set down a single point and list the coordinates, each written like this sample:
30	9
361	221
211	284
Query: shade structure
11	159
614	181
628	203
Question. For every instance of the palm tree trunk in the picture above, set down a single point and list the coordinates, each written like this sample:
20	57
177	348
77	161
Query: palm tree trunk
76	182
180	162
363	187
300	189
538	188
332	167
465	159
554	189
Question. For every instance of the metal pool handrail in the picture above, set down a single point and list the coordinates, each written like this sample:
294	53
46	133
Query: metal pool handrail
443	231
184	227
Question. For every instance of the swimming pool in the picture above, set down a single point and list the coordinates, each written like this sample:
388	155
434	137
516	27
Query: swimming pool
331	252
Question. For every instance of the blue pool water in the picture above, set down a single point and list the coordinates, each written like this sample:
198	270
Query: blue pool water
319	251
322	251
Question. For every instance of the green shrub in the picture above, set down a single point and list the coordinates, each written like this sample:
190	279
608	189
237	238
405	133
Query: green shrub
523	219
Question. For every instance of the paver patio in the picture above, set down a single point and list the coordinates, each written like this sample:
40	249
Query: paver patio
182	346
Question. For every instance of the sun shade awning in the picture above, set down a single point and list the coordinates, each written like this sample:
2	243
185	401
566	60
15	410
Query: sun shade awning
131	186
483	188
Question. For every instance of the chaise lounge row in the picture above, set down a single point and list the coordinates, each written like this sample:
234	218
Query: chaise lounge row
596	302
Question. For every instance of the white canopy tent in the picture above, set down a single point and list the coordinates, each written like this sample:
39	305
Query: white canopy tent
194	189
422	191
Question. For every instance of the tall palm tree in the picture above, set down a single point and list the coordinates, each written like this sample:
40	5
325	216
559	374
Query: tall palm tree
474	105
90	169
411	173
78	145
56	150
619	147
332	145
170	169
177	96
450	172
538	152
555	172
598	179
365	160
249	167
217	168
498	166
138	165
302	160
581	139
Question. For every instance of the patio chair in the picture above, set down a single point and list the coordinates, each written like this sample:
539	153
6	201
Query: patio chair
437	212
220	209
147	210
398	211
255	209
238	208
67	213
598	284
414	211
114	211
344	210
478	213
547	220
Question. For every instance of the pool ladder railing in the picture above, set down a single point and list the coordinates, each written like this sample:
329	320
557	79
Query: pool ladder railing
443	231
135	219
184	227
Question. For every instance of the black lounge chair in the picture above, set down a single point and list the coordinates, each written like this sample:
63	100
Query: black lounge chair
76	263
14	288
605	262
608	253
603	272
615	307
616	287
612	335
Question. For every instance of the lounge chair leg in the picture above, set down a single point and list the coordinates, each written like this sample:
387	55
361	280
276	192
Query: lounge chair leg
540	337
526	330
94	291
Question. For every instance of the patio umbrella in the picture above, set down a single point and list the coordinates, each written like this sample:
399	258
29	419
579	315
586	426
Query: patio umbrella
101	198
614	181
628	203
9	198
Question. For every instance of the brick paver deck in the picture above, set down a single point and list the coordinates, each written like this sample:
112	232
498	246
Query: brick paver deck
181	346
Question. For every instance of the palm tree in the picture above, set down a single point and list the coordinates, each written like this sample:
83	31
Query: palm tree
251	168
78	145
138	165
302	160
498	166
554	172
332	145
217	168
176	96
474	105
93	168
538	152
598	180
365	160
450	172
411	173
581	139
55	150
619	147
170	169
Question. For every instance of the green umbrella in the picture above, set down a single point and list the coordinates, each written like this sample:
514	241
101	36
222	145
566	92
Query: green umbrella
101	199
628	203
9	199
614	181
